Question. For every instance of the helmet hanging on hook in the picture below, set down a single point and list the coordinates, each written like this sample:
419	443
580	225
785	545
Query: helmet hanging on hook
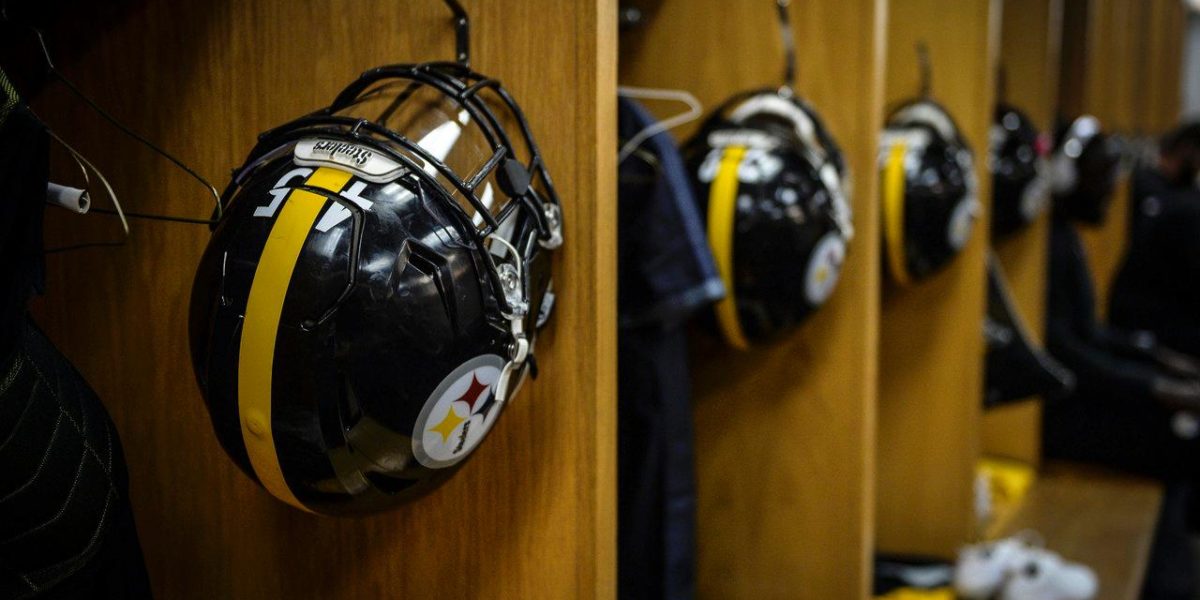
773	192
369	303
930	201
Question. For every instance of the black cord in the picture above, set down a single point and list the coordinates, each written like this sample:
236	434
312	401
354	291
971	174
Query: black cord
154	217
83	246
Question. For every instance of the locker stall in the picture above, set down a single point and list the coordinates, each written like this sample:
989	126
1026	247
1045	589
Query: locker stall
930	344
203	79
784	431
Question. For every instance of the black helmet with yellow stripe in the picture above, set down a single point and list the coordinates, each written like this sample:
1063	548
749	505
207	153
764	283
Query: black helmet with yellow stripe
770	186
367	304
929	190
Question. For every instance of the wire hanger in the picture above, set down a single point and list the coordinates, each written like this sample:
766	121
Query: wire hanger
925	66
692	113
86	165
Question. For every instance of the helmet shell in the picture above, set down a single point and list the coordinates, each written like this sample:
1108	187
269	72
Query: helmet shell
1086	164
1020	178
938	201
786	245
380	317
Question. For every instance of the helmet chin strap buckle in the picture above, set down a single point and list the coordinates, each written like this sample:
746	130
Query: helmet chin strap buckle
518	308
554	220
518	350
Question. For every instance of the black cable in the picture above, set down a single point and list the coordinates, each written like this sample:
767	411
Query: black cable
154	217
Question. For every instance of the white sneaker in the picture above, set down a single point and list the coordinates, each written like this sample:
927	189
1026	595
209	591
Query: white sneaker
982	568
1043	575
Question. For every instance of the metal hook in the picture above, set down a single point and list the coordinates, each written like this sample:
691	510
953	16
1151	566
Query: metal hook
789	46
926	69
462	31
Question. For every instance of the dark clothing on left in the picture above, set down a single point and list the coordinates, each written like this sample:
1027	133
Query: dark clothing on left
66	526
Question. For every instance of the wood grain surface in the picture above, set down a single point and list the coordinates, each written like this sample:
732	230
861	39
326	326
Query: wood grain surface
533	514
1030	46
931	344
1102	519
1121	61
784	432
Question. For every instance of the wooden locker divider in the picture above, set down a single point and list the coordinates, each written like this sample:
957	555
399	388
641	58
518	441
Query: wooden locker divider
1104	82
1030	42
784	432
533	514
931	346
1159	100
1121	63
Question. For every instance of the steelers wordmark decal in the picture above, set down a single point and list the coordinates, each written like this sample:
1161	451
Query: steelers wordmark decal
459	413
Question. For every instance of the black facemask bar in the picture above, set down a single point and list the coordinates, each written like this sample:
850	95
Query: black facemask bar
463	86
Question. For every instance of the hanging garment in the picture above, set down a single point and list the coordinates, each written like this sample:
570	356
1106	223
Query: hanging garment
1157	288
665	274
66	528
1112	417
1016	367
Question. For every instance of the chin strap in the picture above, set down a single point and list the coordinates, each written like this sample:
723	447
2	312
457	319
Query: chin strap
553	215
512	281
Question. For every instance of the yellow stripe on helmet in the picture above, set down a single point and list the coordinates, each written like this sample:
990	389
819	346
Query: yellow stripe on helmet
893	212
722	209
256	356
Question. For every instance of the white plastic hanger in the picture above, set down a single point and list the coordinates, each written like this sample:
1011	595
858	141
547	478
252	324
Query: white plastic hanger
691	114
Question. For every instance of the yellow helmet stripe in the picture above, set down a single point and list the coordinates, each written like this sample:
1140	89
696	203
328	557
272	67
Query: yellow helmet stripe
256	356
722	208
893	212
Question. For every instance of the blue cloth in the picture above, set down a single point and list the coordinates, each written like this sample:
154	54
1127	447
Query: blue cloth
666	269
666	273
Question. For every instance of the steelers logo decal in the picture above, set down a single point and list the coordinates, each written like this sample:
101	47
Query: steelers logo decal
1036	196
824	268
962	221
459	413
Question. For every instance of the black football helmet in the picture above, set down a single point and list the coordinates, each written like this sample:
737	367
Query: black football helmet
770	186
368	302
1084	169
929	190
1020	171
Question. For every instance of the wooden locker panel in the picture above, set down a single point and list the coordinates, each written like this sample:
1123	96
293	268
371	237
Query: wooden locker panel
1166	28
785	431
1030	47
533	514
931	344
1108	83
